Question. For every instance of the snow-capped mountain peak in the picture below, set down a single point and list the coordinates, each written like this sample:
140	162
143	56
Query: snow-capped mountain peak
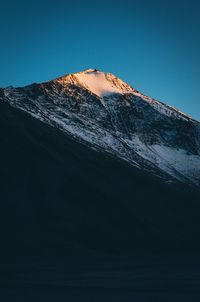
102	111
100	83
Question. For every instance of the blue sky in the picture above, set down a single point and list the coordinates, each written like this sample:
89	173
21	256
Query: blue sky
153	45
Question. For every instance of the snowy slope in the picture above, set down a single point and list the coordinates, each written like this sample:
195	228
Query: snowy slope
100	83
104	112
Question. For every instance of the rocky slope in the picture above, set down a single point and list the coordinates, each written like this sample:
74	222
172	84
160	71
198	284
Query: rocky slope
102	111
81	225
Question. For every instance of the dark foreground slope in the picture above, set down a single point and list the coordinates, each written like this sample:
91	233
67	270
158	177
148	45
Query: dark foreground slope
64	205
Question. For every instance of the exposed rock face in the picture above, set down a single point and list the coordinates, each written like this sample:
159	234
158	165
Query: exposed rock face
102	111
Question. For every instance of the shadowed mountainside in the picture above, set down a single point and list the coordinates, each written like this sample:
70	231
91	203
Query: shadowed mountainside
80	224
58	195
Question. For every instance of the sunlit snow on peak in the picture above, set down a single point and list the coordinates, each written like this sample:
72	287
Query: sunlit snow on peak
101	83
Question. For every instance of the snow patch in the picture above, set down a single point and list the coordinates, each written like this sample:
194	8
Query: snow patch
181	161
98	83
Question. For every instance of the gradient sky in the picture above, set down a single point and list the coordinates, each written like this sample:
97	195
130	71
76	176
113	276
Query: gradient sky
153	45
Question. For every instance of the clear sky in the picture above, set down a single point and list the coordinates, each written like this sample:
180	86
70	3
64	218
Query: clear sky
154	45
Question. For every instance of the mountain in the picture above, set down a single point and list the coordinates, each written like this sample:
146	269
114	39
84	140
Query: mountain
80	220
60	197
106	114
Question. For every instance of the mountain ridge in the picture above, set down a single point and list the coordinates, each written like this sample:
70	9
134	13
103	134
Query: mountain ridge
104	112
69	212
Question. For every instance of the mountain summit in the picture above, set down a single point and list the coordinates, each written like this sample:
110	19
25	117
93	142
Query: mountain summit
102	111
100	83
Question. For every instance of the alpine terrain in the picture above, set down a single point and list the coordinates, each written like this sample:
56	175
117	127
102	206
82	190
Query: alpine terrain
103	112
99	191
